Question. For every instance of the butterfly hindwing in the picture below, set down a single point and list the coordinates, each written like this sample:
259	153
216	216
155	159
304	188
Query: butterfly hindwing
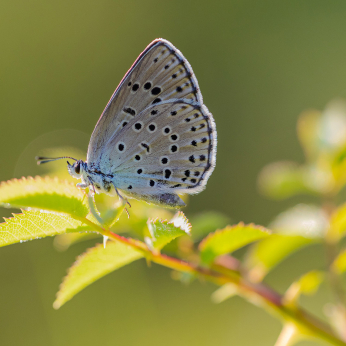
169	147
159	74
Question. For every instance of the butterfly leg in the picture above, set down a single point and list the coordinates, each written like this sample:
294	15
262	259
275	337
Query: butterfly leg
82	185
85	185
93	188
123	200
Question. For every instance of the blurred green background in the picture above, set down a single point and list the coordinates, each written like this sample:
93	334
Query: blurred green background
258	63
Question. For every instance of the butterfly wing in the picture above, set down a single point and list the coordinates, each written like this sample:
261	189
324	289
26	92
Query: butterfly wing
168	148
159	74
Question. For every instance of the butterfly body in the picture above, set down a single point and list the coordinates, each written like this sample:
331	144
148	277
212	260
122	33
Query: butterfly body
155	139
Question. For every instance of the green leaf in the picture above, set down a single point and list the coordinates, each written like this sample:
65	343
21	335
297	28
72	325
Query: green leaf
338	222
289	336
281	180
337	317
44	193
323	133
224	292
332	127
306	220
308	126
163	232
230	239
207	222
339	264
36	224
268	253
92	265
307	284
310	282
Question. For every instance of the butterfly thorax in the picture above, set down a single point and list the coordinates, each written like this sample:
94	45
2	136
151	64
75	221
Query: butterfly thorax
92	178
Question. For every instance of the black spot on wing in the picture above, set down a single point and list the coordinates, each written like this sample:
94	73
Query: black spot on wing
157	100
147	86
146	146
155	91
129	110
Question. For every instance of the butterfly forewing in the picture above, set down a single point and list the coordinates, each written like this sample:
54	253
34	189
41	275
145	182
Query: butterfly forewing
159	74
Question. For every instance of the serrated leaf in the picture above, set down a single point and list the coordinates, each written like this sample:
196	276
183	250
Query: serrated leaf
163	232
92	265
230	239
339	264
268	253
207	222
35	224
44	193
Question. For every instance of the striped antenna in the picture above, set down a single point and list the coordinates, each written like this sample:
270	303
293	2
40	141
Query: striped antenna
42	159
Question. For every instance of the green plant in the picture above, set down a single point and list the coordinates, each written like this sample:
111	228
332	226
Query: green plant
52	207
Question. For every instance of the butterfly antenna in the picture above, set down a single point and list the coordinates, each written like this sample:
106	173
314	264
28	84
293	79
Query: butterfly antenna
42	159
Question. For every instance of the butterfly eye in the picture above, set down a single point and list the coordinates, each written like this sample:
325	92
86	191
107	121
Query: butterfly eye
77	168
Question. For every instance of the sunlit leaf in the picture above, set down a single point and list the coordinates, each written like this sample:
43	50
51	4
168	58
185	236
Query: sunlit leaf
44	193
163	232
339	264
308	126
310	282
36	224
338	222
306	220
307	284
224	292
336	314
289	336
207	222
285	179
269	252
332	127
230	239
92	265
338	167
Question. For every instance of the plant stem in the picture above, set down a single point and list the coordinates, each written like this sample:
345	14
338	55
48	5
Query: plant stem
255	293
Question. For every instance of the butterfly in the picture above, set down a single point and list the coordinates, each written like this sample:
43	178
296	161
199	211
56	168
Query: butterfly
155	139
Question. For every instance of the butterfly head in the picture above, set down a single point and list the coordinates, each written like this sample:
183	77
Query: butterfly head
76	169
